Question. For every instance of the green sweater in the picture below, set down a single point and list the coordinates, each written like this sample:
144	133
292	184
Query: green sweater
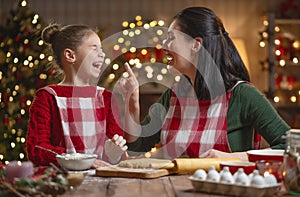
248	109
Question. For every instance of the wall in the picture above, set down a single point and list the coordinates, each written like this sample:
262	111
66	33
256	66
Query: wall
241	18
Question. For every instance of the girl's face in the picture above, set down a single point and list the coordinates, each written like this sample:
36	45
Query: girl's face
178	49
89	58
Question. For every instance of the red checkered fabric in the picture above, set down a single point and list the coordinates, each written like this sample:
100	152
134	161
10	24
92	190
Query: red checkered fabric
83	121
194	126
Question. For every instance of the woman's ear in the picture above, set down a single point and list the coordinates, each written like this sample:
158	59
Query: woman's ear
69	55
197	44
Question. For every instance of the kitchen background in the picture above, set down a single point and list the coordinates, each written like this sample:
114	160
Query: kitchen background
273	66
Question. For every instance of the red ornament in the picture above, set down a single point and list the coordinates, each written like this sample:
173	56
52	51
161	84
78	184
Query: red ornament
17	38
19	119
6	119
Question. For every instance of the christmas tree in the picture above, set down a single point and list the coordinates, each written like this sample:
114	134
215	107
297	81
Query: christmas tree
24	67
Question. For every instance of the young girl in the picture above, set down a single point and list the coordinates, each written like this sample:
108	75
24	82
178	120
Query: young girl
74	115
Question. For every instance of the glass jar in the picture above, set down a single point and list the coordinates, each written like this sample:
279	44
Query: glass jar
291	162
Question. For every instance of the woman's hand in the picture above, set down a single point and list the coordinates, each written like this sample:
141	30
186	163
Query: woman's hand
212	153
129	86
129	89
115	148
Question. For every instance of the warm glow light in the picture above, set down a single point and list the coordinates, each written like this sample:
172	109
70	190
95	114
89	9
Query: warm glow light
138	65
296	44
293	99
21	155
146	26
132	49
153	60
22	111
125	24
147	155
177	78
159	77
276	99
161	23
13	145
28	102
107	61
277	29
127	43
116	47
265	34
115	66
23	3
16	60
132	25
277	52
295	60
137	32
149	75
277	41
144	52
262	44
282	62
112	76
123	50
138	18
23	140
125	32
121	40
131	34
125	74
164	71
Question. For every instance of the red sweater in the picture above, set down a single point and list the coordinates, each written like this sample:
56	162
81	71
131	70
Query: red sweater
45	129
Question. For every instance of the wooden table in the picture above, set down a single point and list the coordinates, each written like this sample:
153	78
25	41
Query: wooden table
167	186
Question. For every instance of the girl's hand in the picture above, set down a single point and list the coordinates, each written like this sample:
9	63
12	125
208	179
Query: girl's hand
115	148
120	141
100	163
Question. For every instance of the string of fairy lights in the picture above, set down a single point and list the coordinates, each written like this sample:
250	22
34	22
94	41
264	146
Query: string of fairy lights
139	44
287	55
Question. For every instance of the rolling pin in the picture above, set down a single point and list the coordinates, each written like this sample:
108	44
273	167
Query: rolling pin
189	165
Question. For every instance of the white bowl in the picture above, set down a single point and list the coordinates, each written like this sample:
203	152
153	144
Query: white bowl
76	161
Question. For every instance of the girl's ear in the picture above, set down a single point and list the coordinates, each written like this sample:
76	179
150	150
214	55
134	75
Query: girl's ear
69	55
197	44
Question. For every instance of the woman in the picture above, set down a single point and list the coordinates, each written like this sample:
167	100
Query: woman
214	111
74	115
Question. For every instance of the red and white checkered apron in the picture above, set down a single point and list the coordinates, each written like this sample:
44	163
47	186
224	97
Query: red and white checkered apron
194	126
83	119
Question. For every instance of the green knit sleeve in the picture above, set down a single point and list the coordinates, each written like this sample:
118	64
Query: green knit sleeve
257	112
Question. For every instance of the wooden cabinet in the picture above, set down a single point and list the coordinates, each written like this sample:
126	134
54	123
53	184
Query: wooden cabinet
283	64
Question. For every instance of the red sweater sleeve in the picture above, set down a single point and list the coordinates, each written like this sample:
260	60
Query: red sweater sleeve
113	121
44	129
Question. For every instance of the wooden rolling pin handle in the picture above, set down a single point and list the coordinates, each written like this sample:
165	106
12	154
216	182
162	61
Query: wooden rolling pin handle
190	165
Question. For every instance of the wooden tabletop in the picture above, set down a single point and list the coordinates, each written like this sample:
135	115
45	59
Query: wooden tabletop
166	186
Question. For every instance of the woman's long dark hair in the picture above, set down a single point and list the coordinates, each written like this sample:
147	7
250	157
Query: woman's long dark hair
220	65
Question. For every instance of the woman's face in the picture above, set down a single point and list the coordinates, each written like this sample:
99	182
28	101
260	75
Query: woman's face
178	50
89	57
